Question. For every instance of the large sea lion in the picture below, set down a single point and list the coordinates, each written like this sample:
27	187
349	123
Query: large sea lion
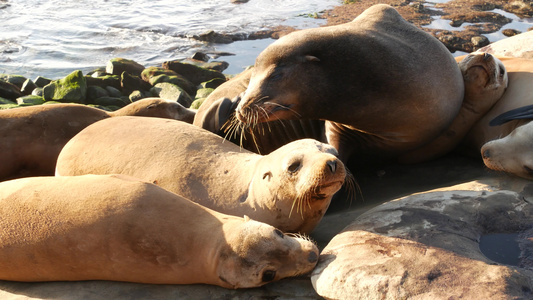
113	227
291	188
485	82
32	137
385	86
506	144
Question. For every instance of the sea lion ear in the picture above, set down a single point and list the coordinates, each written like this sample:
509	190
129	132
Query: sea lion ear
312	58
246	218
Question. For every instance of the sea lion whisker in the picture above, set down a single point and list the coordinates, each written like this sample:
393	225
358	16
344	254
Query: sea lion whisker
285	107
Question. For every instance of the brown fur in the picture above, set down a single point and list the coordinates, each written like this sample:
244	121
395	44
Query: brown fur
32	137
114	227
291	188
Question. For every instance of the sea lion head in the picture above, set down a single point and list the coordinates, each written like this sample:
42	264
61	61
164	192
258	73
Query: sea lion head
485	77
257	253
280	80
159	108
297	181
512	153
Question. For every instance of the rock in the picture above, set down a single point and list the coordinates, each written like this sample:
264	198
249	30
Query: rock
520	45
110	101
480	41
426	246
213	83
30	100
155	75
219	66
172	92
200	56
522	9
204	92
197	103
6	101
510	32
136	96
99	72
113	92
130	83
239	1
37	92
27	87
72	88
104	81
94	92
41	81
16	80
9	90
117	66
8	106
193	73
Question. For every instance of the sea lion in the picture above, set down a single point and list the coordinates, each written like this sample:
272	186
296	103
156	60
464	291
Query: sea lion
505	145
291	188
114	227
384	85
217	114
32	137
485	81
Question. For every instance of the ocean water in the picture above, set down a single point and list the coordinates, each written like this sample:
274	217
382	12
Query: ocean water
52	38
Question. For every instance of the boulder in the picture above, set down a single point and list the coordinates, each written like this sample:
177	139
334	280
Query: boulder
30	100
41	81
172	92
117	66
155	75
9	90
27	87
193	73
104	81
72	88
426	246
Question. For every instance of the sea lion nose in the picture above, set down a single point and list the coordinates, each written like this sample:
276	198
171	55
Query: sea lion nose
313	257
332	164
486	56
486	154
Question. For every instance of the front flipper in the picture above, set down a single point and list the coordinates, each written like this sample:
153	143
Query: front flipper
524	112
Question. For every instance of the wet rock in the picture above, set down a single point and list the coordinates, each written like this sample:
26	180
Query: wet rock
200	56
72	88
172	92
219	66
107	80
94	92
523	9
510	32
426	246
193	73
27	87
9	91
480	41
41	81
239	1
117	66
30	100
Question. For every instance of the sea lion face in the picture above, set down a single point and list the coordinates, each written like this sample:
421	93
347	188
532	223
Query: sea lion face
299	178
485	77
258	253
512	153
278	83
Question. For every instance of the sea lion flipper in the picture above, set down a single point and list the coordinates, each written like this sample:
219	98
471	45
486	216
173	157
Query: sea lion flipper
524	112
225	109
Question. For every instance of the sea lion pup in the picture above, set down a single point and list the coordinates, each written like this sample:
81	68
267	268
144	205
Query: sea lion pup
485	82
217	114
386	86
33	136
506	145
114	227
291	188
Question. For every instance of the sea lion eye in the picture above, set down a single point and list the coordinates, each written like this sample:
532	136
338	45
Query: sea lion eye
268	276
502	72
295	166
528	170
279	233
276	76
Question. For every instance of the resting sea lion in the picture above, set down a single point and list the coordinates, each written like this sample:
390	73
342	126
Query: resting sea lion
291	188
32	137
113	227
385	86
485	82
506	144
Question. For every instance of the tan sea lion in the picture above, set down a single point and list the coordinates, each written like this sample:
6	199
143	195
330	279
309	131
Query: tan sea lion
114	227
506	144
385	86
485	82
291	188
32	137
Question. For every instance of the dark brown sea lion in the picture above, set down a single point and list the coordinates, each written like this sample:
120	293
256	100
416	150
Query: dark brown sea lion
385	86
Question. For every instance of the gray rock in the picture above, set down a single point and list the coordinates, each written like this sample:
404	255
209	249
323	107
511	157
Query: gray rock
41	81
9	90
172	92
27	87
117	66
